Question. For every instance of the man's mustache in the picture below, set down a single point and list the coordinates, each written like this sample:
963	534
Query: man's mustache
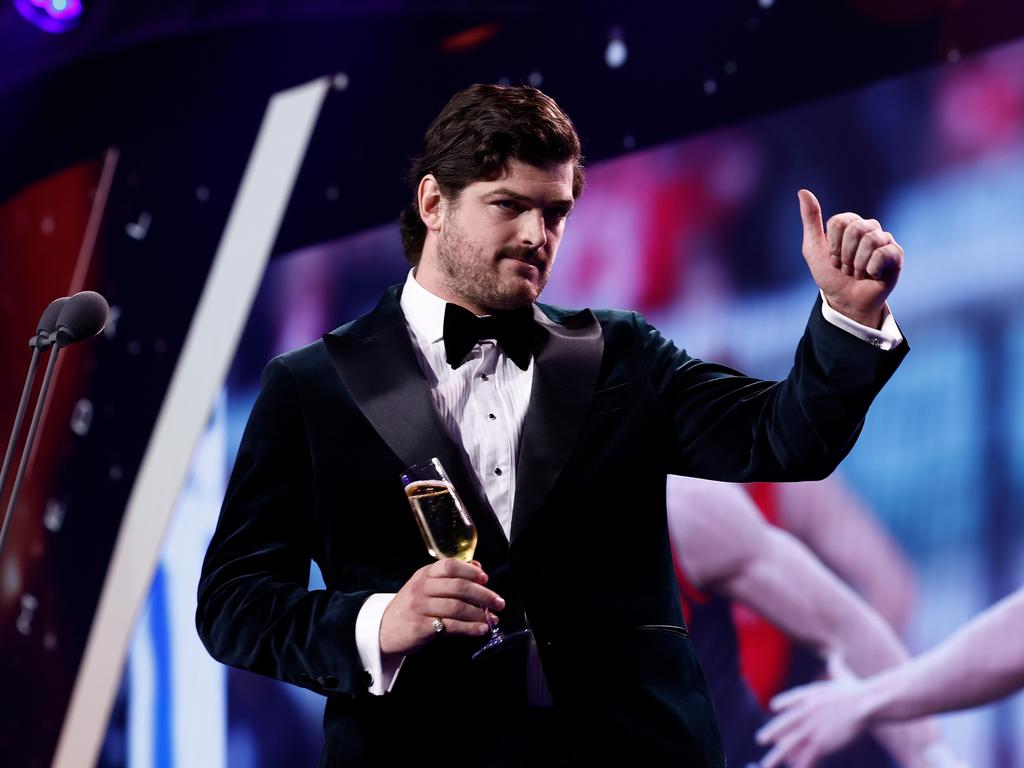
529	255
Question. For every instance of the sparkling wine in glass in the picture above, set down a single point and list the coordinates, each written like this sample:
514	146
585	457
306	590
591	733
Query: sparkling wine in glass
447	528
448	531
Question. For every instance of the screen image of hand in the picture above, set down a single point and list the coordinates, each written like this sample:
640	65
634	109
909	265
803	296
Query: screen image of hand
815	720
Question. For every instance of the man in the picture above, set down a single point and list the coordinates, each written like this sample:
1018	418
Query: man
558	440
727	553
981	662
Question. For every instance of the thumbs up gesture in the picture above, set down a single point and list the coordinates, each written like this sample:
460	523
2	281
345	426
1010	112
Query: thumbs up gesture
854	262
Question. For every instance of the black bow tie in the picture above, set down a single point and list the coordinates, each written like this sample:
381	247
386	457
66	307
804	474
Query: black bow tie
514	331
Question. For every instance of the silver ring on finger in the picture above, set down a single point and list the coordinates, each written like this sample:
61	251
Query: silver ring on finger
438	626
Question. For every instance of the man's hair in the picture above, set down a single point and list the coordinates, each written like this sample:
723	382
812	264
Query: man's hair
478	133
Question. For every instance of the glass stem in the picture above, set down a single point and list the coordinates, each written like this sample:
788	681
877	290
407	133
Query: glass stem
491	622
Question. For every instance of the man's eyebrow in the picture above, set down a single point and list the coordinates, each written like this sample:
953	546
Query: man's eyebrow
506	192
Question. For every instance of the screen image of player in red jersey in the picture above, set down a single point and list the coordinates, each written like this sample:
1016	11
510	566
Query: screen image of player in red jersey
726	553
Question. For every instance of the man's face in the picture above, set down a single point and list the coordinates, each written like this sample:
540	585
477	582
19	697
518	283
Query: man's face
498	240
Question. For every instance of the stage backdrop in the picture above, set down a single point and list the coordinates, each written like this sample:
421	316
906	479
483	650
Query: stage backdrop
703	236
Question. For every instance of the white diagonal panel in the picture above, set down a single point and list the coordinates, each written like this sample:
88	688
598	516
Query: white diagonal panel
209	347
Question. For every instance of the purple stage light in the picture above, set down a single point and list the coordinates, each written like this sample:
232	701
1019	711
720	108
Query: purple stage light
51	15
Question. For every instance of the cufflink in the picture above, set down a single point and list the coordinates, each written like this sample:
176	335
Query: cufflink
327	681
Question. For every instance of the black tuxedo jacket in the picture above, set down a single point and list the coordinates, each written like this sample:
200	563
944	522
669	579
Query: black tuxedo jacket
615	406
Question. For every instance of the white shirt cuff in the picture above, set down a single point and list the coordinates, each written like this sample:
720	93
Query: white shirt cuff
384	670
886	338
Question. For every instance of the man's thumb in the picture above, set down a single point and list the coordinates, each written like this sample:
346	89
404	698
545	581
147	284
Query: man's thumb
810	212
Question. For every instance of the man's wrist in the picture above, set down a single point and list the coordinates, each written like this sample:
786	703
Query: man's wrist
871	318
381	668
886	337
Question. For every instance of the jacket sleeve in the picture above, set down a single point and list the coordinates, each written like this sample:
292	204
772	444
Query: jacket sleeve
726	426
255	610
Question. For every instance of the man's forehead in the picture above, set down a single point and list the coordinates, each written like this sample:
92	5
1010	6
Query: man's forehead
554	180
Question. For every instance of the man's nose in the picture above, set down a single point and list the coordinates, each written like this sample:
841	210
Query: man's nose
534	233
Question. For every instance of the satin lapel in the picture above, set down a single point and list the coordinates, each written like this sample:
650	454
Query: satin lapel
377	363
564	378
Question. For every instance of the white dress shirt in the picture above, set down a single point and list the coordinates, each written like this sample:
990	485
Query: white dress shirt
482	404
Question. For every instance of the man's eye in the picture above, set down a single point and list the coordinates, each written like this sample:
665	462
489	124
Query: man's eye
511	206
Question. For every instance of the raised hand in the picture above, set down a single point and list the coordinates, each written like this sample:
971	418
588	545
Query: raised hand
856	263
449	590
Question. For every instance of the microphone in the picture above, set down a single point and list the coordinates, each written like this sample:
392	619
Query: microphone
65	321
81	317
46	326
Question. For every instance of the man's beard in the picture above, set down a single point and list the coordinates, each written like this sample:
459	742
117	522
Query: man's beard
471	275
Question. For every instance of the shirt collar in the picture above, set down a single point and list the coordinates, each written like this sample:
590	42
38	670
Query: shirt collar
423	310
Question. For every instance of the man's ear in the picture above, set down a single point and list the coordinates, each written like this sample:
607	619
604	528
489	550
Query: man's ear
429	201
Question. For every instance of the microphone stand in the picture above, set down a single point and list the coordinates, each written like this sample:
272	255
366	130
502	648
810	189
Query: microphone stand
22	407
39	343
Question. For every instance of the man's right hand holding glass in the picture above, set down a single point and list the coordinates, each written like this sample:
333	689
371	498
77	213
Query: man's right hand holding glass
449	590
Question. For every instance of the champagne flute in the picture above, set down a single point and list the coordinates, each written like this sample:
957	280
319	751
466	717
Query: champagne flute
449	532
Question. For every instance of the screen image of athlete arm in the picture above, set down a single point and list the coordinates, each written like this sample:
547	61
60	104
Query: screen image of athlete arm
725	546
